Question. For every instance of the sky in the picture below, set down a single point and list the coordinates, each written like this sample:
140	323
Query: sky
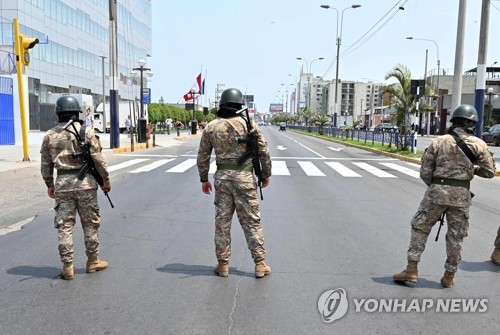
253	45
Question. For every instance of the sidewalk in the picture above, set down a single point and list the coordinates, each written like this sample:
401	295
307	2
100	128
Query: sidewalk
11	156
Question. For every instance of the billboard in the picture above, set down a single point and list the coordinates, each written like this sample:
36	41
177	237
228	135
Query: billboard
276	108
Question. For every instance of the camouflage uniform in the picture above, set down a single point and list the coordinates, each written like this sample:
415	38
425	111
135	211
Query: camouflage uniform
235	186
73	195
444	160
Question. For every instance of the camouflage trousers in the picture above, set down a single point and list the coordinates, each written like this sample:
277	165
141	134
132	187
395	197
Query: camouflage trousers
457	220
497	240
68	204
241	196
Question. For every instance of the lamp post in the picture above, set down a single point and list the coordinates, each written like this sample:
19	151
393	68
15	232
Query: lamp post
294	108
489	106
193	123
339	40
141	130
103	97
308	68
437	78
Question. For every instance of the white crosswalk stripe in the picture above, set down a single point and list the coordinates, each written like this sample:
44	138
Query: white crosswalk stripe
373	170
184	166
126	164
152	166
281	167
402	169
310	169
342	169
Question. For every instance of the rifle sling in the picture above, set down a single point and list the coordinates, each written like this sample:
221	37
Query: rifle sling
467	151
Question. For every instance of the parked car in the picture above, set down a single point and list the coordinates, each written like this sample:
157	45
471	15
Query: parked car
385	127
492	135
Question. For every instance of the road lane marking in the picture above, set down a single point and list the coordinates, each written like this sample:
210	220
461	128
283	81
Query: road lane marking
126	164
402	169
187	164
310	169
152	166
374	171
279	169
342	169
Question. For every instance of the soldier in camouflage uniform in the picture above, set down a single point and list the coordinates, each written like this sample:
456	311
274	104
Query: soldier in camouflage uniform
71	194
447	171
235	185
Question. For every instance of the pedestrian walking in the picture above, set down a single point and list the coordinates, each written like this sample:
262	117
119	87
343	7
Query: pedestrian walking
178	125
235	185
89	120
73	195
448	165
168	124
128	123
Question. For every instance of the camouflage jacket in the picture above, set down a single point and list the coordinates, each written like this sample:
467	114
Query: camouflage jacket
444	159
221	135
57	151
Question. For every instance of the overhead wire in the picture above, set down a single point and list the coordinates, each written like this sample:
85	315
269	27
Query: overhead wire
364	38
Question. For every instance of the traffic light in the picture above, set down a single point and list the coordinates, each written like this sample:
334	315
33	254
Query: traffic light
25	44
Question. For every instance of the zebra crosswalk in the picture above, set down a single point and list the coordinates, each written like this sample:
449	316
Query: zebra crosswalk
310	168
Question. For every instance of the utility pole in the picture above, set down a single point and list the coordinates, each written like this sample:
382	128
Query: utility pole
459	57
481	66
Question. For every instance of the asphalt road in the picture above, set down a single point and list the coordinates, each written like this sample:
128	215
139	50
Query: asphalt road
334	217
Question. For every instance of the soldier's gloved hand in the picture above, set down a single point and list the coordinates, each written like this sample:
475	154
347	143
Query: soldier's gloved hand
265	182
106	186
206	187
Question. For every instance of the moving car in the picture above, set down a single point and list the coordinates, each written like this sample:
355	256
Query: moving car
282	126
492	135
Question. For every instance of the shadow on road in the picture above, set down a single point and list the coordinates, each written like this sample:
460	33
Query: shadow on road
422	283
191	270
31	272
479	266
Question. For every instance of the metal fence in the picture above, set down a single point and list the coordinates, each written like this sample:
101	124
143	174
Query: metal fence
385	138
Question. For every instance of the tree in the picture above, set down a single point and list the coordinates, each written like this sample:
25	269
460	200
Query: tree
401	99
321	120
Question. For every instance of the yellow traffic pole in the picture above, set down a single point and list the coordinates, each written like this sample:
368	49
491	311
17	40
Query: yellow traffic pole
20	86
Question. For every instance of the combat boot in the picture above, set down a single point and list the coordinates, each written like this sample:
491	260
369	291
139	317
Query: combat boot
262	269
67	271
495	256
222	269
409	274
448	279
96	264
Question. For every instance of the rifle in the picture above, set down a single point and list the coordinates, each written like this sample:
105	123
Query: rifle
441	223
441	219
251	141
86	156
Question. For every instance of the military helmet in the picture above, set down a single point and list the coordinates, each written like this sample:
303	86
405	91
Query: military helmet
466	112
231	96
67	105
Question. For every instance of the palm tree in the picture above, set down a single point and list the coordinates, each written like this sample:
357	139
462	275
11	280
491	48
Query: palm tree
401	99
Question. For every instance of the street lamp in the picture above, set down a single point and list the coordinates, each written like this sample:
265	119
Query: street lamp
489	106
438	74
308	69
339	40
193	123
141	130
103	96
